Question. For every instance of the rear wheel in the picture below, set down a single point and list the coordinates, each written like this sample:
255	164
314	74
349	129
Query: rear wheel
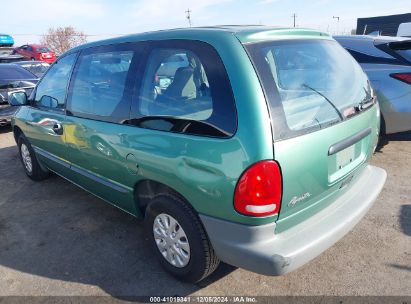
28	159
179	239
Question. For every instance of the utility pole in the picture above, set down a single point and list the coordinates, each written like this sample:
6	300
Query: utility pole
338	23
188	16
294	16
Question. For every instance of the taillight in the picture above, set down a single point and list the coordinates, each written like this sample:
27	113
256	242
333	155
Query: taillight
404	77
258	192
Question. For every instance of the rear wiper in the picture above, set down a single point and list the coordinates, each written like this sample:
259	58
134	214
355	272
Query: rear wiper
326	98
366	102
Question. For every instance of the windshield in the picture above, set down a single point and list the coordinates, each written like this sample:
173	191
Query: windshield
406	54
37	69
309	84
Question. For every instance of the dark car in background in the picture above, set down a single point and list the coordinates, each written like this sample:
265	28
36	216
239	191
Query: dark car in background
36	52
8	55
387	62
13	78
38	68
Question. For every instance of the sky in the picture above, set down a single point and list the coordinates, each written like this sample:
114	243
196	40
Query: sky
28	20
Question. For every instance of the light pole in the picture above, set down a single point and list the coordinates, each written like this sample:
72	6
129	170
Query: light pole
338	23
294	16
188	16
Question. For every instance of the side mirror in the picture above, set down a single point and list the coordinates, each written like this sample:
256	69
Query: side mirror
48	101
18	98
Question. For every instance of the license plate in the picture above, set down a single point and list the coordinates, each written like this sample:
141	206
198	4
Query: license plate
345	157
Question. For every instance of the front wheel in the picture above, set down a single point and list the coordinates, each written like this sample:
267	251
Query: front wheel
28	159
179	239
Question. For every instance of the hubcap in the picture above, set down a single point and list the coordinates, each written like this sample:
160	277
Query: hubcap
171	240
25	156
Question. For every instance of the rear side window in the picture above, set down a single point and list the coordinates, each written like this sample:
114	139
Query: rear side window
98	86
309	84
175	84
185	89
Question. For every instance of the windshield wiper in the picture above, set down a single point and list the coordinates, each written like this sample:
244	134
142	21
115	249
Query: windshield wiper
326	98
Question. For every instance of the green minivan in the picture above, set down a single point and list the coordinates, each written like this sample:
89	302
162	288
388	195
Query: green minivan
247	145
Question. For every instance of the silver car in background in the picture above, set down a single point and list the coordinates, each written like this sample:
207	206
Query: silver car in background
387	62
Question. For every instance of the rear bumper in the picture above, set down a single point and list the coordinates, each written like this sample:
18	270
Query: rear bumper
396	122
47	60
259	249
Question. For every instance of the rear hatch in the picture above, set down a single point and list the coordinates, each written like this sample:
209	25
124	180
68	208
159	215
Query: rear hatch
325	120
45	53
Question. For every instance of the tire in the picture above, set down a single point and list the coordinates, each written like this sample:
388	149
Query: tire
28	159
201	260
382	138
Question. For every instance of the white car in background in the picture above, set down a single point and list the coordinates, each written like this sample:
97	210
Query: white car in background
404	30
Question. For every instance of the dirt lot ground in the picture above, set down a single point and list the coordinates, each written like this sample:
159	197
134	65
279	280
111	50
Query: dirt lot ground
56	239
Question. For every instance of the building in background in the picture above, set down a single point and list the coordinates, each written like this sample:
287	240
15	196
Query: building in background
385	25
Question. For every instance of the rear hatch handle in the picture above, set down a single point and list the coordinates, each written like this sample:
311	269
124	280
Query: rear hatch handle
345	143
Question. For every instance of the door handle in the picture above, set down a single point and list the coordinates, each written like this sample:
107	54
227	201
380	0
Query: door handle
58	128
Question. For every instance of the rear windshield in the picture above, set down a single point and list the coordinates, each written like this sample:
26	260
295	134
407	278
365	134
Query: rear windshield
37	69
406	54
43	50
309	84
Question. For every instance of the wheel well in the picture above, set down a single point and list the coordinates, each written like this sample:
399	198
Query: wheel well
16	132
146	190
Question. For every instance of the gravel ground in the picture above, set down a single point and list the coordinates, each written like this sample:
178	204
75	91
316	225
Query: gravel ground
58	240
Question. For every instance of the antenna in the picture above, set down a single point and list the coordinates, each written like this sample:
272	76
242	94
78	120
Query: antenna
188	16
294	16
338	23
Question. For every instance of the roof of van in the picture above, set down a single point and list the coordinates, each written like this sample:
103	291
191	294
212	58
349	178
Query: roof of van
244	33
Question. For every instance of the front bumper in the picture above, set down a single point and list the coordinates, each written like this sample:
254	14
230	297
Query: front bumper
5	120
259	249
6	113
